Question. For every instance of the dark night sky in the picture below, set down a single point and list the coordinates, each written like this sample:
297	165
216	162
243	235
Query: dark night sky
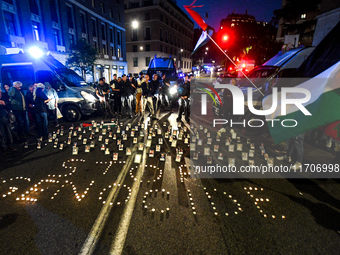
217	10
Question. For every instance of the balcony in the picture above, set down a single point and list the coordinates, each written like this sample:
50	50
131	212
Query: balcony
61	48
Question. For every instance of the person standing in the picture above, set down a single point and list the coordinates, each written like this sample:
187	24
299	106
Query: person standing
184	94
126	90
5	95
19	108
155	85
134	86
6	137
165	93
115	88
139	92
40	101
52	104
148	93
30	105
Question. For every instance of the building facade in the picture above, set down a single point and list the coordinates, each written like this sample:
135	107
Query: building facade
157	27
54	25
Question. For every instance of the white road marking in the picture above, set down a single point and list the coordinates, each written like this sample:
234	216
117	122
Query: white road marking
92	239
118	244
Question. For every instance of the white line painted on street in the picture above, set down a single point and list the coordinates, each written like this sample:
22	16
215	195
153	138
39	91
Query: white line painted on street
92	239
118	244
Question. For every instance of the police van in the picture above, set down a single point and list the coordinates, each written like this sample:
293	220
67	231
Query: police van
76	97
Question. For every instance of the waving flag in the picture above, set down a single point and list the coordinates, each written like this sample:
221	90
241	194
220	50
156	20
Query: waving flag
207	30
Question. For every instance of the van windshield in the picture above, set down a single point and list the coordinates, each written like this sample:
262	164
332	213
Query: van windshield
71	78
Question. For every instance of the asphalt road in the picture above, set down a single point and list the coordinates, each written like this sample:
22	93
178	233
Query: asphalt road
53	202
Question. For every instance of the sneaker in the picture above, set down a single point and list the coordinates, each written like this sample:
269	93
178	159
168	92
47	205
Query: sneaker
297	165
284	158
222	130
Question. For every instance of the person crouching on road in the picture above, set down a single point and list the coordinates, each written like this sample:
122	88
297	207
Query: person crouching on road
40	102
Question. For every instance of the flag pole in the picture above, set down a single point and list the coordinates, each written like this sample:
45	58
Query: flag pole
233	63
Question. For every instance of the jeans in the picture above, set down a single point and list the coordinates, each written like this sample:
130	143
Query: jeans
42	123
148	101
22	122
183	107
165	100
296	144
52	114
127	104
5	132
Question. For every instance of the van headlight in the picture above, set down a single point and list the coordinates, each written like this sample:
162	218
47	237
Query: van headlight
87	96
173	90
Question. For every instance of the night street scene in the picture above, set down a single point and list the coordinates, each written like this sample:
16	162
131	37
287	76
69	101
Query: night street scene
169	127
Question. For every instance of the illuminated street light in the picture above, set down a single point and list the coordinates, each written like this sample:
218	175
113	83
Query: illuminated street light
135	24
141	47
181	50
206	48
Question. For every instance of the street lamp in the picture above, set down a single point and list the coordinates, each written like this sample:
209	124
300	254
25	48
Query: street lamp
135	24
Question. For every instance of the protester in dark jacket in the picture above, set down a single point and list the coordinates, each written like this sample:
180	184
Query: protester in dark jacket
126	91
19	108
6	138
184	93
147	94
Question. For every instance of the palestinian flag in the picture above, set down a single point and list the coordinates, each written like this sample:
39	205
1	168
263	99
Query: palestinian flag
323	106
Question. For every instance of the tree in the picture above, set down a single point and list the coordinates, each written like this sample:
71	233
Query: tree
82	57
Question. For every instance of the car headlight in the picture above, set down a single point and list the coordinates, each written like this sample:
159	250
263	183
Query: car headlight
173	90
87	96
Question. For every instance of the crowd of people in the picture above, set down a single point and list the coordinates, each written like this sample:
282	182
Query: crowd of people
23	115
128	97
20	113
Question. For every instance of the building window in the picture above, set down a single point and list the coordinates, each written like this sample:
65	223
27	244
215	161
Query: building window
147	16
102	7
166	35
118	53
54	11
83	23
171	38
72	41
134	48
111	13
134	34
10	23
147	33
147	47
69	14
56	36
36	30
94	28
118	17
104	49
94	3
135	62
119	38
34	6
112	52
147	61
161	34
103	32
111	35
